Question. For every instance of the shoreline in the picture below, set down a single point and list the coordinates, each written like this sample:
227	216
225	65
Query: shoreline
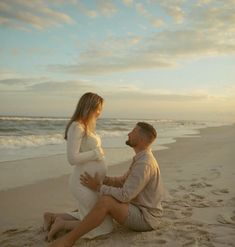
22	147
199	207
33	170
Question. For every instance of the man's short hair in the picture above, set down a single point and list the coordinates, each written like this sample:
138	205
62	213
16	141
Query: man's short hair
148	130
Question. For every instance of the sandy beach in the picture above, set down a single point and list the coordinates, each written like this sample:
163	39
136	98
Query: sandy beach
199	205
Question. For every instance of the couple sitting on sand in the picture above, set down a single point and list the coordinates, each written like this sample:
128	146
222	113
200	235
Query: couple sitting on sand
132	200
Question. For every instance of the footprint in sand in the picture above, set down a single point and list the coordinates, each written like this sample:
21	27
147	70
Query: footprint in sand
207	185
177	214
21	237
196	196
200	185
203	205
9	231
16	231
183	202
231	202
220	191
226	218
181	187
191	243
173	191
187	213
161	241
199	201
212	175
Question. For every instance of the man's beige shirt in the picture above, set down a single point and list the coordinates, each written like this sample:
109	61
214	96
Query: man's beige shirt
141	186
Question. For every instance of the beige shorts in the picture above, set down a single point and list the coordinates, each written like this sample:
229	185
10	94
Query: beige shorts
135	220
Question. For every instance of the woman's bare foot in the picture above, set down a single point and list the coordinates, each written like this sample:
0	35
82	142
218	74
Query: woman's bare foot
49	219
59	224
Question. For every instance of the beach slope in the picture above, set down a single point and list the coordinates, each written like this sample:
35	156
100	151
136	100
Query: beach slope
199	204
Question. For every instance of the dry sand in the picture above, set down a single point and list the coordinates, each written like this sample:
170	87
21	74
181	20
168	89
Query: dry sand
199	206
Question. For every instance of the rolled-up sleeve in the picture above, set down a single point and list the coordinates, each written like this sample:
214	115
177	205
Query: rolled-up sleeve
115	181
137	179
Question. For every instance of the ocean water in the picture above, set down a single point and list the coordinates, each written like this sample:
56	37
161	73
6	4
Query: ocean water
23	138
28	137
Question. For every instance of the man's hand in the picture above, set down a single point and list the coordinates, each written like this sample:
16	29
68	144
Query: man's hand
90	182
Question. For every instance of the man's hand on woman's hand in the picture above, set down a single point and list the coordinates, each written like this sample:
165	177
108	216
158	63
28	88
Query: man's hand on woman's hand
90	182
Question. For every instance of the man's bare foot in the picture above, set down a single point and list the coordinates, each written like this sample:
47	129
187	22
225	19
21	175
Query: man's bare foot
59	224
49	219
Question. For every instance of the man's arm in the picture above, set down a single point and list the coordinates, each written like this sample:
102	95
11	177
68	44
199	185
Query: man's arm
137	179
115	181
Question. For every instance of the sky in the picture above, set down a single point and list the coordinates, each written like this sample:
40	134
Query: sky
157	59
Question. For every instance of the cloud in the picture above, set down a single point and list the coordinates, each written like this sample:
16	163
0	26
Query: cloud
169	104
24	14
133	93
17	84
216	16
49	97
203	30
92	13
207	31
39	51
8	74
107	7
174	9
60	86
156	22
118	91
15	81
230	91
161	50
191	43
127	2
203	2
115	54
115	66
104	8
43	84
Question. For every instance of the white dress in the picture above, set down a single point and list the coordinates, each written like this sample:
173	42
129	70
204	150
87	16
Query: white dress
83	152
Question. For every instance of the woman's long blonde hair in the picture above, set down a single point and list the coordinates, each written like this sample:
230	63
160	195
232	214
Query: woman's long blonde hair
87	105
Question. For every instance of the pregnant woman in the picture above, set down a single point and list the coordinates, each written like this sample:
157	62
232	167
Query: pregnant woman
85	154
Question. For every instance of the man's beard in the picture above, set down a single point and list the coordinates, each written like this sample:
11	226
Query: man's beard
128	142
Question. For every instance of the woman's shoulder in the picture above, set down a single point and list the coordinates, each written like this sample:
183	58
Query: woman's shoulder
76	126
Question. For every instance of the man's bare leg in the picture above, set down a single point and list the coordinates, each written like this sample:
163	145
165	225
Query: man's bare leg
106	205
49	219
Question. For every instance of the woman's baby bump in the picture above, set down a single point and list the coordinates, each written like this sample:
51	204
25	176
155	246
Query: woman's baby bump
94	167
